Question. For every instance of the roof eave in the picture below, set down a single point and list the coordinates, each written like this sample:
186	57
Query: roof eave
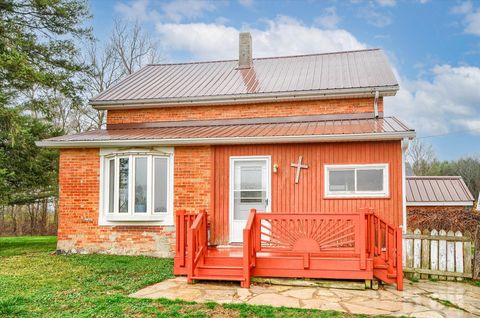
449	203
226	140
390	90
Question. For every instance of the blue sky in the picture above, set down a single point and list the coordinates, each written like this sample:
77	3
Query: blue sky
433	46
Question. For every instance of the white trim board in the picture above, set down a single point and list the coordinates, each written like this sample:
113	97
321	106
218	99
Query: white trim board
453	203
109	220
232	160
226	140
385	193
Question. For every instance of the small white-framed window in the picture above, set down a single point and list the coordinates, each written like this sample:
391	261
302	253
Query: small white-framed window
351	181
137	186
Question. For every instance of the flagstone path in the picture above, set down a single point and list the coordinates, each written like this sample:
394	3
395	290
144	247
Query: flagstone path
422	299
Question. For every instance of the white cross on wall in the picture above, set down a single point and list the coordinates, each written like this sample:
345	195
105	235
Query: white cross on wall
298	166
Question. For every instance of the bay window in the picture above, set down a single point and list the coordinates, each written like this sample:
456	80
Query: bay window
367	180
137	186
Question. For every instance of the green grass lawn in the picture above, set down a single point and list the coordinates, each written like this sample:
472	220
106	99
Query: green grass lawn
36	283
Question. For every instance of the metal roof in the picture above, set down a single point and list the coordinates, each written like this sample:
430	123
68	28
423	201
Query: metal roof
351	73
241	131
437	190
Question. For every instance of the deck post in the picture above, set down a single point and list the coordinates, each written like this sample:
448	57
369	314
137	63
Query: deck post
181	241
248	244
398	249
363	239
191	255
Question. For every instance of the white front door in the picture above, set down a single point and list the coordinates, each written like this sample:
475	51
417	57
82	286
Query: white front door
249	188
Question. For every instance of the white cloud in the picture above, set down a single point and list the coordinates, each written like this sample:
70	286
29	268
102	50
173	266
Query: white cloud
375	17
246	3
175	11
463	8
178	10
329	19
471	19
137	10
448	102
386	3
281	36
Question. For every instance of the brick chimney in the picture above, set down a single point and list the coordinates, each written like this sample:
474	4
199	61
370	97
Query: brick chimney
245	50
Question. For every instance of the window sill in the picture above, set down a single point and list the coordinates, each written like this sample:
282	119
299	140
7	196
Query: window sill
356	196
135	218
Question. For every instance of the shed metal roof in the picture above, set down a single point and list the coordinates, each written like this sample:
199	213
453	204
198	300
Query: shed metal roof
240	131
352	73
437	190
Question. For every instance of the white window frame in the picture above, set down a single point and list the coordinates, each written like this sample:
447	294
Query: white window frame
150	217
385	192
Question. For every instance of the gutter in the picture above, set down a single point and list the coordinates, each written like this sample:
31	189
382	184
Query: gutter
456	203
225	140
245	98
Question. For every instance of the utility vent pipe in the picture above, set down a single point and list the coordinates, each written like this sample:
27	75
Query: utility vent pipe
245	50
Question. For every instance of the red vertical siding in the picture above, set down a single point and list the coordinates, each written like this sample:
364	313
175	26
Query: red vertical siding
308	195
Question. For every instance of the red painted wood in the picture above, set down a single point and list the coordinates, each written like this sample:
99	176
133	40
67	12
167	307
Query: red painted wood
364	246
308	195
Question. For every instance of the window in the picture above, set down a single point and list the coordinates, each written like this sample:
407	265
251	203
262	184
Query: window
137	187
356	180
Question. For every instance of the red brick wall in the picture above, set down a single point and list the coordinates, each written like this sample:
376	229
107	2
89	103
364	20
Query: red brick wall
297	108
78	229
192	178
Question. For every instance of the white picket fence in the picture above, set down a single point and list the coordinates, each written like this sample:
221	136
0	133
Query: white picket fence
437	254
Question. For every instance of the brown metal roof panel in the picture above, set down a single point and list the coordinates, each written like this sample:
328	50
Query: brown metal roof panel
169	87
116	91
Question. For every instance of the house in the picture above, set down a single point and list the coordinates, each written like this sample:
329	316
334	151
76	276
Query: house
282	166
437	193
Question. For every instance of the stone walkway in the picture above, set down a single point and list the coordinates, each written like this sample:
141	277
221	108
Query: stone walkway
422	299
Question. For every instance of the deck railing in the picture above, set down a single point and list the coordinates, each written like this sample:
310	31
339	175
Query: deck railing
197	243
313	233
249	250
384	246
183	222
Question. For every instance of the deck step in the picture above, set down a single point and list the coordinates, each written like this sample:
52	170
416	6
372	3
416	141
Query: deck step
213	267
209	270
223	261
219	277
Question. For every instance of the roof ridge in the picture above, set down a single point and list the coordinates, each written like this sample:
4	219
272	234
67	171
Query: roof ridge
265	58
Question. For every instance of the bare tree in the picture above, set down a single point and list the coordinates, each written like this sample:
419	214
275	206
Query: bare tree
128	49
421	157
133	46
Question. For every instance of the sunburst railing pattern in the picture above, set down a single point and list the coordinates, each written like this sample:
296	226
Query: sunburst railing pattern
307	233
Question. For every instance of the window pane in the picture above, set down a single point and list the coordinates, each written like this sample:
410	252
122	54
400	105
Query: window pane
111	186
246	200
160	185
123	186
252	196
370	180
249	177
341	180
141	185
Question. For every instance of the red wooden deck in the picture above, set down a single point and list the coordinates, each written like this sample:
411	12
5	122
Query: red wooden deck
346	246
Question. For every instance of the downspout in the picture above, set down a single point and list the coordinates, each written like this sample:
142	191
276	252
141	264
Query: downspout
404	187
375	104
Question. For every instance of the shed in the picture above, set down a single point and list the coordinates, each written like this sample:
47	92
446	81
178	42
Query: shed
435	192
